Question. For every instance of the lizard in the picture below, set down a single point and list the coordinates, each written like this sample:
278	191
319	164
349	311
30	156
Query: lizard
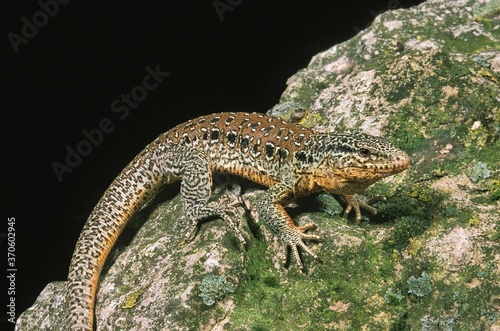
292	161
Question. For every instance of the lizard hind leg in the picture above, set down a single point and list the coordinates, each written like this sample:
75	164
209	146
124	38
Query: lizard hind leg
196	189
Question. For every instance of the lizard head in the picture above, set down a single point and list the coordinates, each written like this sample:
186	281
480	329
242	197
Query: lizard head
353	162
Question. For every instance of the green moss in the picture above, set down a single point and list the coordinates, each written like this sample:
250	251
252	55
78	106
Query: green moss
422	193
400	324
470	43
448	119
490	154
265	302
271	281
405	229
496	233
309	89
260	289
491	186
259	327
495	196
413	210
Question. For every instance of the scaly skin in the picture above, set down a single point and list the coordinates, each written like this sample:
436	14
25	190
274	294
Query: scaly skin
291	160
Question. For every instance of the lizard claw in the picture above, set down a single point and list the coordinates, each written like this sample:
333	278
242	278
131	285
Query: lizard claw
229	205
357	202
222	208
293	238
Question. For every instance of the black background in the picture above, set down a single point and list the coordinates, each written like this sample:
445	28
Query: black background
66	77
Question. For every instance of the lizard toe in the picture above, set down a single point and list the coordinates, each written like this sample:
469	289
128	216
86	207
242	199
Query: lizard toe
356	202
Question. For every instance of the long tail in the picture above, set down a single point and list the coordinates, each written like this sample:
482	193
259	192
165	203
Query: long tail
140	180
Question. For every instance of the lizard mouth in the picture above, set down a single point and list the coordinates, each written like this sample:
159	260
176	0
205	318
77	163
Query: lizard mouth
399	163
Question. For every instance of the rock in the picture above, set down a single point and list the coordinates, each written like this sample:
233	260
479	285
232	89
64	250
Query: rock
42	316
428	78
153	282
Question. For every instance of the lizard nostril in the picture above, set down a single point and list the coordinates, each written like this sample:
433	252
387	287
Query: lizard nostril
402	159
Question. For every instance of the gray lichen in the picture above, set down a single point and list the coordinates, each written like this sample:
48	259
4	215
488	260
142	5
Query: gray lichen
420	286
392	297
478	171
214	288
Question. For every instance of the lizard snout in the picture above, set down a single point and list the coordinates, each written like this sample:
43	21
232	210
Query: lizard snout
401	161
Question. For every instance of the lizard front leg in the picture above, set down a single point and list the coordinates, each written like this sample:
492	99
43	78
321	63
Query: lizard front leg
267	207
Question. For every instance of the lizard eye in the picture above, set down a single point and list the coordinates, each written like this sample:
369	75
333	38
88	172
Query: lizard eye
364	152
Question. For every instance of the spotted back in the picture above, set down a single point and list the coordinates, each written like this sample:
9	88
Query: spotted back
255	146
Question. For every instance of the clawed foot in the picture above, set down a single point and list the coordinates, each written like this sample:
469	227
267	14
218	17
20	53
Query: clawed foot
222	208
293	238
229	205
191	234
356	202
266	207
